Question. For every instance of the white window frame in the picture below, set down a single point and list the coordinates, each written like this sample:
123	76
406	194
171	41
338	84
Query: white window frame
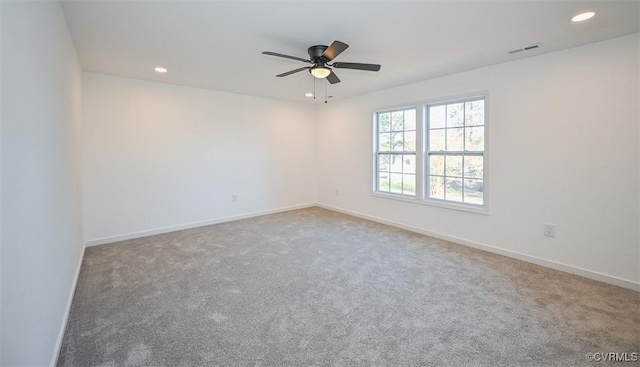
422	170
377	153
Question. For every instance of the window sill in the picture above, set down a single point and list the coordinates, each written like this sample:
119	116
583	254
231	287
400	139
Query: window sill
436	203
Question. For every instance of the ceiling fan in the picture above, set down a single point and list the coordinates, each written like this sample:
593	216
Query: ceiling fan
320	56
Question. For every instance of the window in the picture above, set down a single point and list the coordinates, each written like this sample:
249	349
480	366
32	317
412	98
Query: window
433	153
455	152
396	152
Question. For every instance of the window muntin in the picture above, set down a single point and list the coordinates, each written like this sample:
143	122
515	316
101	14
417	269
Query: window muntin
455	151
396	152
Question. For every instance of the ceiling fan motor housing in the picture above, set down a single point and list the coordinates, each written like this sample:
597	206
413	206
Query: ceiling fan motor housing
315	54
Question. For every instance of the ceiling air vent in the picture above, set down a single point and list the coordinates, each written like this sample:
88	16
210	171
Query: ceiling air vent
531	47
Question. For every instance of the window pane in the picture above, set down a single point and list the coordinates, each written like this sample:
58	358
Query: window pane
474	113
396	183
383	162
455	139
473	191
383	181
436	117
396	163
436	187
410	141
436	165
396	121
384	142
397	142
474	138
473	166
384	121
453	164
455	114
410	119
408	184
453	189
409	163
436	140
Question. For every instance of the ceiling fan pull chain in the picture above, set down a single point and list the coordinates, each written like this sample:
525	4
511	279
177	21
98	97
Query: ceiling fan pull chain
325	92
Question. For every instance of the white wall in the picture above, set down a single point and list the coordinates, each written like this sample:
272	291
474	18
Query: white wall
42	240
160	157
1	8
563	150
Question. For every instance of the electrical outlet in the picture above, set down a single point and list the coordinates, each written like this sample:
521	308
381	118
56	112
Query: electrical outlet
234	198
549	230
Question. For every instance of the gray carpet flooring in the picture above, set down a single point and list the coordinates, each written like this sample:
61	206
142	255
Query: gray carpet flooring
316	288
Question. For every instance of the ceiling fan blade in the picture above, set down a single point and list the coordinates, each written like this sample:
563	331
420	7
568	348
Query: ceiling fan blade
334	50
285	56
333	78
293	71
356	66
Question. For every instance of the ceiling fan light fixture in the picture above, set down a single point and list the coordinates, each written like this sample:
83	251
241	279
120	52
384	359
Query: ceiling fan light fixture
320	72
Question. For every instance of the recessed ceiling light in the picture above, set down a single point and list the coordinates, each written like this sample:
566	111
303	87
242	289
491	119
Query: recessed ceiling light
308	95
583	16
160	70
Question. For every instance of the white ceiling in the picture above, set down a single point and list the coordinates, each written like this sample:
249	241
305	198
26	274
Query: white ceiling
217	44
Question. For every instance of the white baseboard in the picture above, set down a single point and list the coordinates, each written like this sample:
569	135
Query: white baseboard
624	283
129	236
63	327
